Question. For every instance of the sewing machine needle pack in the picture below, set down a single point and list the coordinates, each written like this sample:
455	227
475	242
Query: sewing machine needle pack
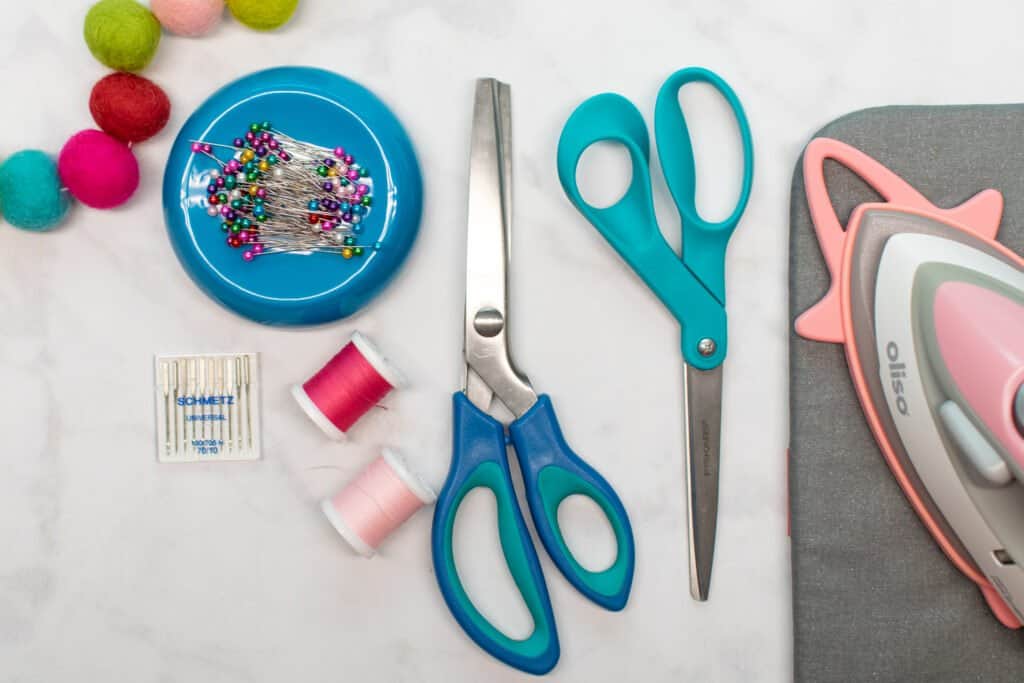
207	407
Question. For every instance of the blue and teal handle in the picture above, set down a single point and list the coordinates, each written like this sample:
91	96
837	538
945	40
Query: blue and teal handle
695	294
551	473
479	461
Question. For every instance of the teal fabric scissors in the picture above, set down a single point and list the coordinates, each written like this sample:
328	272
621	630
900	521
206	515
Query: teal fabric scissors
691	287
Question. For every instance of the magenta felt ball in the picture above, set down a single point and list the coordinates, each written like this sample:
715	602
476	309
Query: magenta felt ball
98	170
188	17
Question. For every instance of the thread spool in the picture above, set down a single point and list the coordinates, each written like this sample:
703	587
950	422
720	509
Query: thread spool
345	389
378	501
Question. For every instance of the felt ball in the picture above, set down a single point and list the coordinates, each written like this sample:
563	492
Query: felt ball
188	17
122	34
129	107
31	197
263	15
98	170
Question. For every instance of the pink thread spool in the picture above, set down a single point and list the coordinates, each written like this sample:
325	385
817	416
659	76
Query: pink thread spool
345	389
369	508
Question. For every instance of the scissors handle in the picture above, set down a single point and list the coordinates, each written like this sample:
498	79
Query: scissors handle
479	461
630	225
704	241
552	473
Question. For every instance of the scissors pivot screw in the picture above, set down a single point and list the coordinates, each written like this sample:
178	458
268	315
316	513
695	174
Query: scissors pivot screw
488	322
707	347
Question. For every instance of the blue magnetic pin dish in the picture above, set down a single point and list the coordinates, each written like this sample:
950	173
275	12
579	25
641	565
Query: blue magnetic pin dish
325	254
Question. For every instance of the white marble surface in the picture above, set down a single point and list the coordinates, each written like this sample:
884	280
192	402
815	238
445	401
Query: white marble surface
114	568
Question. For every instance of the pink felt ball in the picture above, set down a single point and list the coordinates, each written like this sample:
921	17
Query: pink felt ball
188	17
98	170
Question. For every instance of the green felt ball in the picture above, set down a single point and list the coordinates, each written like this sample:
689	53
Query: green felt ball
263	15
122	34
31	197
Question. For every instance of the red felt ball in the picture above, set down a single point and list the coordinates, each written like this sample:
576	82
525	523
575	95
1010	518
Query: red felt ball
98	170
129	107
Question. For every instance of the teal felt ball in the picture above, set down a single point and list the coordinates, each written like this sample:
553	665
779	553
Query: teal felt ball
31	197
123	34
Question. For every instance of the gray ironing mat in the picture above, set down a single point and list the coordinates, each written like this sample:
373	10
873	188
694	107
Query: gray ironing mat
874	599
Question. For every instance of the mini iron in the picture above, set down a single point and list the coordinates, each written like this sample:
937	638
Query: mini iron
930	310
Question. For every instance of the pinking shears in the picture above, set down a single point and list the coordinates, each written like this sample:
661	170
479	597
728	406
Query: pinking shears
551	471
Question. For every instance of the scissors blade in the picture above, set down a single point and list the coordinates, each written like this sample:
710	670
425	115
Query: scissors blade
488	214
703	398
487	249
477	390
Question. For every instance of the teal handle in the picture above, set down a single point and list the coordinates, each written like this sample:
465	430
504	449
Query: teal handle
704	242
479	461
551	473
630	225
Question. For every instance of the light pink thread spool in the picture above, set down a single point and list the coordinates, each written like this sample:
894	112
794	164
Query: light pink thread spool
369	508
